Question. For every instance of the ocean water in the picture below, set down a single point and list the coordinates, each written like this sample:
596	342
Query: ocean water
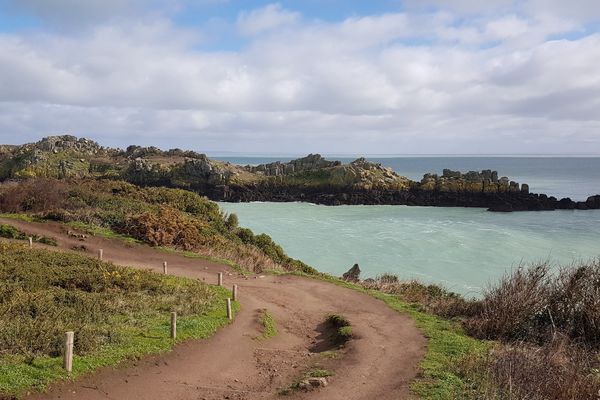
462	249
575	177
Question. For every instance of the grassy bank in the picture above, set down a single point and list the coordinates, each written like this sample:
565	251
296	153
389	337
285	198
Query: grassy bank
116	313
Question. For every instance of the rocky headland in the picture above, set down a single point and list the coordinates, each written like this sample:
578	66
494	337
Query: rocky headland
309	179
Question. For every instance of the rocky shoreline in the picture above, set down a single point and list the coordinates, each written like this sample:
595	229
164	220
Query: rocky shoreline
499	202
311	179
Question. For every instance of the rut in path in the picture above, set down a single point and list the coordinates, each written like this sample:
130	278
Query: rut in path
378	364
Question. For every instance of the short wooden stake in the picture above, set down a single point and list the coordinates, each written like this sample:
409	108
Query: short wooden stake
68	358
30	242
100	254
165	267
173	325
235	290
220	279
229	316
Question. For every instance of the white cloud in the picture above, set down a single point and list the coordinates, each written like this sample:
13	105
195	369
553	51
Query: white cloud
396	82
265	19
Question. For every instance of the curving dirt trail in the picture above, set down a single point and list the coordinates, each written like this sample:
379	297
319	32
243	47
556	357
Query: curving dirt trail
378	364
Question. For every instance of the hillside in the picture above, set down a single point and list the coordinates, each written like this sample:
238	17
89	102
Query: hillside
162	217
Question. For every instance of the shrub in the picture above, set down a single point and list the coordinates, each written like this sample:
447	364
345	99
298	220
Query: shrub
431	298
534	304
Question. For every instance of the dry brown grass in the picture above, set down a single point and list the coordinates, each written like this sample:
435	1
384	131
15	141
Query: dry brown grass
519	371
535	304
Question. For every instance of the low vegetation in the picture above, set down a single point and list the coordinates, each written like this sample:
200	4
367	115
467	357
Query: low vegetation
10	232
161	217
342	327
533	335
267	323
115	313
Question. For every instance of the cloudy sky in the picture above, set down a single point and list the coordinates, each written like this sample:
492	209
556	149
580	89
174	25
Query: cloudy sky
290	77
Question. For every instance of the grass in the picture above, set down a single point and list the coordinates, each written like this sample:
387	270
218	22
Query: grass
342	326
447	345
268	324
10	232
116	313
102	232
318	373
190	254
20	217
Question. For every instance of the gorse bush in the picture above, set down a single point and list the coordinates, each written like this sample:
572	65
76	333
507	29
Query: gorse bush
44	294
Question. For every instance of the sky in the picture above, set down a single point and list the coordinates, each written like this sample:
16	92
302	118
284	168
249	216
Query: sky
293	77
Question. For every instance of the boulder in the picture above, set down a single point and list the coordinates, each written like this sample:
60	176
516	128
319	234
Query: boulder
353	274
312	383
593	202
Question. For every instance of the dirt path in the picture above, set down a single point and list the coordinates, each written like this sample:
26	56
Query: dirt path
378	364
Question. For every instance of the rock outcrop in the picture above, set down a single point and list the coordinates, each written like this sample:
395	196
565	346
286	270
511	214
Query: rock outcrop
353	274
308	163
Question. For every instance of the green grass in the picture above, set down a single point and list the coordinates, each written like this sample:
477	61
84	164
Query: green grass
17	376
447	345
20	217
342	326
102	232
37	305
10	232
268	324
190	254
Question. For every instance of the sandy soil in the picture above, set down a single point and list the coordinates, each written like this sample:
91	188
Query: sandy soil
378	364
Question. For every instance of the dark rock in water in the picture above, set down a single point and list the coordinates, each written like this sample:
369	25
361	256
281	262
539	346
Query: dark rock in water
593	202
353	274
501	207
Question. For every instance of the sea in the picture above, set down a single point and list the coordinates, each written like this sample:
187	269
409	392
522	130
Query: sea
464	249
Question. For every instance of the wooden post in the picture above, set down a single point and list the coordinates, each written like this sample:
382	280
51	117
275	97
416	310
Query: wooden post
173	325
220	279
165	267
100	254
30	242
235	289
68	358
229	315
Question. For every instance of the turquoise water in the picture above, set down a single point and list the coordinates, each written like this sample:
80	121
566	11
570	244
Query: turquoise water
463	249
575	177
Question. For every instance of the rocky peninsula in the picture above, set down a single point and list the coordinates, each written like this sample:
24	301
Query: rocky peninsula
308	179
